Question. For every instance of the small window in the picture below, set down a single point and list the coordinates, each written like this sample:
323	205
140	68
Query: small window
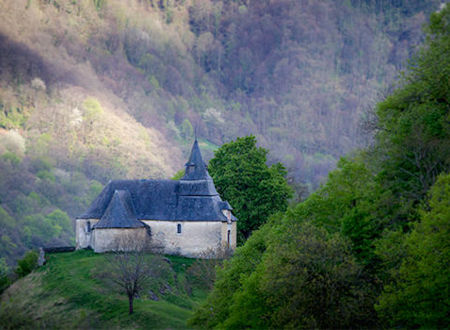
88	227
228	238
179	229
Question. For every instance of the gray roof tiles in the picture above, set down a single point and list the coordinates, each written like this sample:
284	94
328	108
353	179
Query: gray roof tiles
119	212
193	198
195	167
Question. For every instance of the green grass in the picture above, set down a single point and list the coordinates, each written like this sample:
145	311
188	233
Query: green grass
68	293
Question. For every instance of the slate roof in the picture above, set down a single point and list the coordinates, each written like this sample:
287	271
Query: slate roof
193	198
195	167
119	213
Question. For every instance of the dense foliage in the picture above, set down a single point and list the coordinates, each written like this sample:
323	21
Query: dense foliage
419	293
300	74
33	196
305	279
95	90
255	190
370	248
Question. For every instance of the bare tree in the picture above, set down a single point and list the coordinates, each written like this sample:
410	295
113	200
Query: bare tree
130	268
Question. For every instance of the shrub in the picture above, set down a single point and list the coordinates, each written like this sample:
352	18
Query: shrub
27	264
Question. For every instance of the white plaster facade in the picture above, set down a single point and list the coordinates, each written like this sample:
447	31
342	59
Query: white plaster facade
190	238
186	238
118	239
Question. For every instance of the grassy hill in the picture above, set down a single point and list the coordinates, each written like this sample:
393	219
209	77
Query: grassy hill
71	292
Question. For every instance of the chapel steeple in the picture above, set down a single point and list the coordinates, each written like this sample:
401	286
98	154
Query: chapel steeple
195	167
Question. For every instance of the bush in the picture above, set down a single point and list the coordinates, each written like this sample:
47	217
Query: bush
27	264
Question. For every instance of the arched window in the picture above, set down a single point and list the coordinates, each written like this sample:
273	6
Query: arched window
88	227
228	238
179	228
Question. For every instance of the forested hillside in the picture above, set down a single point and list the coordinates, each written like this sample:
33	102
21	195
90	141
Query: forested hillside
92	90
370	248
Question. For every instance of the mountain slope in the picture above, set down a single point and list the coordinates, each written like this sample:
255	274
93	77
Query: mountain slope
93	90
297	74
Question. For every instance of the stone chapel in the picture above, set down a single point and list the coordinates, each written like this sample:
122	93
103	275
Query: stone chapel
184	217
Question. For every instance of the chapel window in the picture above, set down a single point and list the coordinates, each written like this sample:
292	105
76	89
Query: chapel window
88	227
179	229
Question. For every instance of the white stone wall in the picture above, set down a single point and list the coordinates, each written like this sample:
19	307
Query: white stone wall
82	235
119	239
195	236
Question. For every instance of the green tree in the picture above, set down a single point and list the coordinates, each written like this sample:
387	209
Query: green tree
414	125
419	296
290	275
230	279
27	263
254	189
60	220
351	203
4	271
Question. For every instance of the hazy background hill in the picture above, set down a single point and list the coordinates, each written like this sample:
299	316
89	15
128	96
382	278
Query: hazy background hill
92	90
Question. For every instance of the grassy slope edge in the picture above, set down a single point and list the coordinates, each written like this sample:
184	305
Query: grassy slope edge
66	293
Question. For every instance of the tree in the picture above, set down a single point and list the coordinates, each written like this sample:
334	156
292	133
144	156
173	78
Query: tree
230	278
4	272
27	264
290	275
203	271
419	294
255	190
130	270
414	131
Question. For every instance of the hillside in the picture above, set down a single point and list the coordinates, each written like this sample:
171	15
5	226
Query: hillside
125	84
71	292
92	90
370	248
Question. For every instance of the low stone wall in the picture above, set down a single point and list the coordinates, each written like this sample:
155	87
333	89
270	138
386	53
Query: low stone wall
59	249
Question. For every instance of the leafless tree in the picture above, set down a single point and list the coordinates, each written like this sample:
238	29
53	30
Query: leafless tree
131	269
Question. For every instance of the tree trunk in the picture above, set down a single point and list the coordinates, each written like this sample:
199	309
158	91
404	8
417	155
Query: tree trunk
130	305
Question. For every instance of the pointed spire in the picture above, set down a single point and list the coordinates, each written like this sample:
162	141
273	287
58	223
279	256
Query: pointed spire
195	167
